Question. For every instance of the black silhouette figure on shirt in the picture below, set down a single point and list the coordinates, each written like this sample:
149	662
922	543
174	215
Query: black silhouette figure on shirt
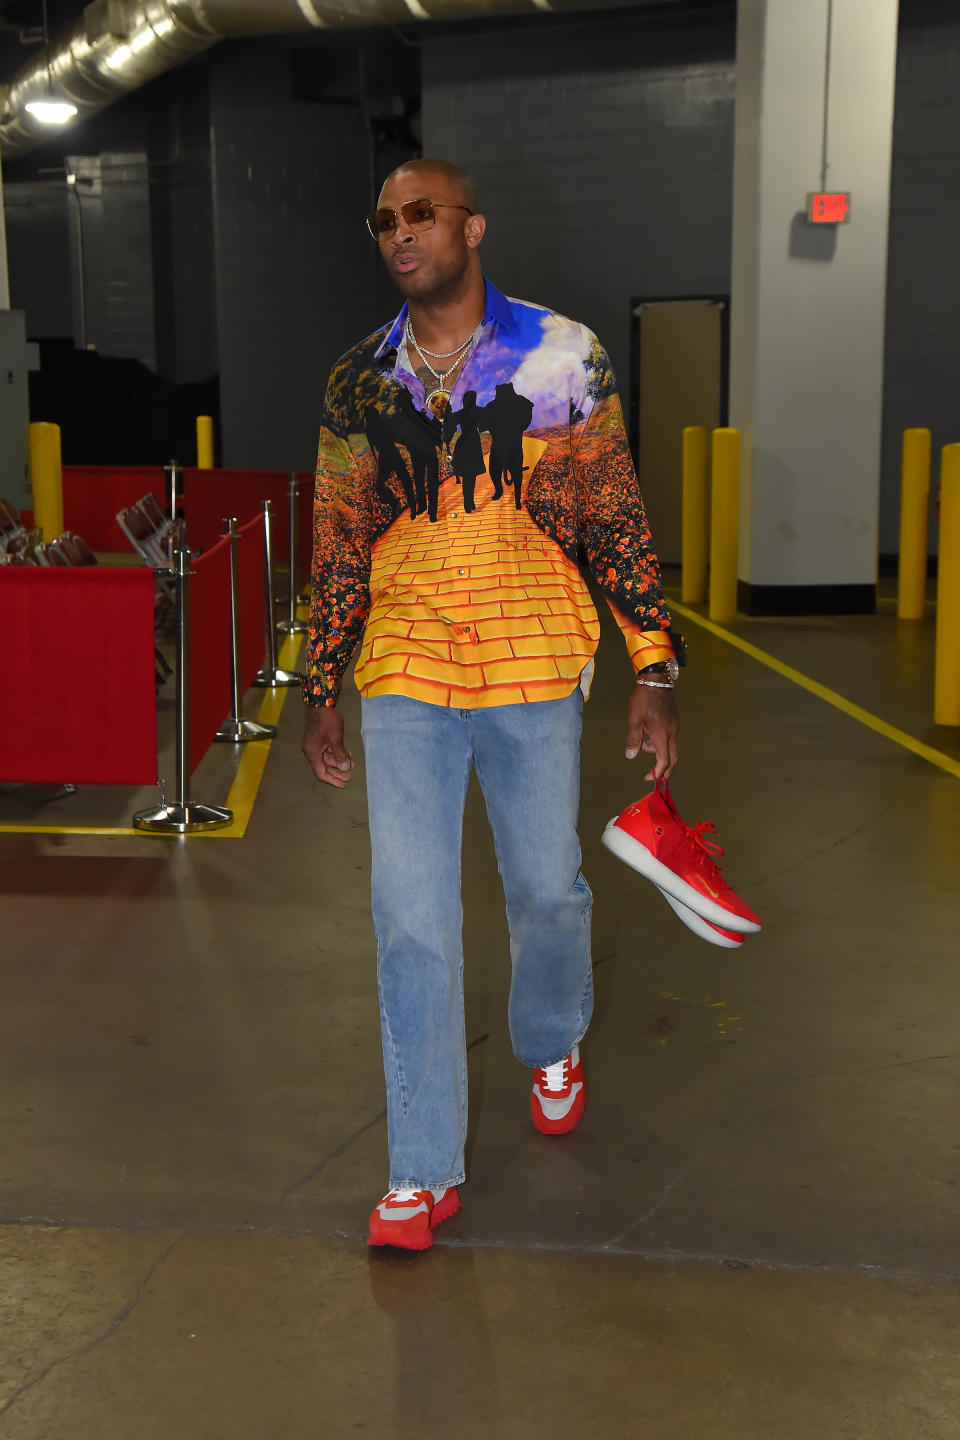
382	441
506	417
467	458
421	438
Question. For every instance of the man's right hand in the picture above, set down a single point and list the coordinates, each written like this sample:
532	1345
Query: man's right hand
323	746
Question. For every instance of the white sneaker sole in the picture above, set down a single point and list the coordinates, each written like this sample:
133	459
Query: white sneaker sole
699	926
626	848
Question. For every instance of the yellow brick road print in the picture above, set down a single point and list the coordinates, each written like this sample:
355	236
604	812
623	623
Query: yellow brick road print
492	610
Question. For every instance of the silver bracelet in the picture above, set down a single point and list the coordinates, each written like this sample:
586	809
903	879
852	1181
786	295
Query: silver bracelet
654	684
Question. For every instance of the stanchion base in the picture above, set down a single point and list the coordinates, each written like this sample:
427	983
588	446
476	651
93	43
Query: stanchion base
267	679
292	627
178	819
235	732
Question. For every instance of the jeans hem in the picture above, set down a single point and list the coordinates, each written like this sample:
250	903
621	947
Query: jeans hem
542	1064
428	1185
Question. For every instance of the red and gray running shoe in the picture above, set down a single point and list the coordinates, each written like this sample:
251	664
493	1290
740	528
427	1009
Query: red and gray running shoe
559	1095
408	1218
679	859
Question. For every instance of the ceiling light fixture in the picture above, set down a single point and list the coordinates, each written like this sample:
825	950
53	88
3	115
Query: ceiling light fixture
49	110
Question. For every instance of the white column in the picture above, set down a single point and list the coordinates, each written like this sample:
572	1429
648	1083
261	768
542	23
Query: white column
806	363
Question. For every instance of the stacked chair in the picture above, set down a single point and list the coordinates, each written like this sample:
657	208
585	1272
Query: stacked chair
15	541
153	535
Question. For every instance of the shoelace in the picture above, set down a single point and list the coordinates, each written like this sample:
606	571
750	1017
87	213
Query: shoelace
402	1195
703	848
556	1076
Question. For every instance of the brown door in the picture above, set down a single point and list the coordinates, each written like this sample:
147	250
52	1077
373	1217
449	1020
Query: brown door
680	383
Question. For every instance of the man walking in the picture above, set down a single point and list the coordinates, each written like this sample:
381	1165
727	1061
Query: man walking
476	635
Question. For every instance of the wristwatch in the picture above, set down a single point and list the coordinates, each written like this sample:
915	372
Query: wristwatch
669	669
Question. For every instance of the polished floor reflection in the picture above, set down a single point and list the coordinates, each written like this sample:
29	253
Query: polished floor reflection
753	1233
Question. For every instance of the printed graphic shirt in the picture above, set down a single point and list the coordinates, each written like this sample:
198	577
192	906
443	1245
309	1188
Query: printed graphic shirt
447	548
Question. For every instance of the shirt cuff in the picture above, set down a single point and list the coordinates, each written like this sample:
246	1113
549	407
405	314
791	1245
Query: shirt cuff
650	647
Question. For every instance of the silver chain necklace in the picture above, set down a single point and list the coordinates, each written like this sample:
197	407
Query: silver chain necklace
439	398
435	354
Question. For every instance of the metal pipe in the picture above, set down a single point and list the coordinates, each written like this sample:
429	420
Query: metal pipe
81	262
271	674
183	815
172	469
235	730
293	626
118	45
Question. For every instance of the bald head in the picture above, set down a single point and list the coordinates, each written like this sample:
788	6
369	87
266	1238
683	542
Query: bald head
455	180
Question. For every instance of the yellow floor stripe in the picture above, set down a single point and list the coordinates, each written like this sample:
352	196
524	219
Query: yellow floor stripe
246	782
823	692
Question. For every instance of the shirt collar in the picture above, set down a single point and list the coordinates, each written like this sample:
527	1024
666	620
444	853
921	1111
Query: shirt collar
497	309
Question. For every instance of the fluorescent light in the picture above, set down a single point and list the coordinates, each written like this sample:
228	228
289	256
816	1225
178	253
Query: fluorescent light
51	112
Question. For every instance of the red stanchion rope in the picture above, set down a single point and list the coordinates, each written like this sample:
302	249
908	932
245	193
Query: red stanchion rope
209	496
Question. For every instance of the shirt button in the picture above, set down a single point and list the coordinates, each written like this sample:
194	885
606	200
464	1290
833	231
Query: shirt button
461	572
454	515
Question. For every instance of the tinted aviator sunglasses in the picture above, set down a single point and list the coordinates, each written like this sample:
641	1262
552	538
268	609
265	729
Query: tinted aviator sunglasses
418	214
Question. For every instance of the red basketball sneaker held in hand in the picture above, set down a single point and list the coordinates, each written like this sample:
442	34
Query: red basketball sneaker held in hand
680	860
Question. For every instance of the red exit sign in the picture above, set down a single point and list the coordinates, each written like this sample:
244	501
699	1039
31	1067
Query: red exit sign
828	208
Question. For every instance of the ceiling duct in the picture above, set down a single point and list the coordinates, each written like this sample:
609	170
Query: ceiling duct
118	45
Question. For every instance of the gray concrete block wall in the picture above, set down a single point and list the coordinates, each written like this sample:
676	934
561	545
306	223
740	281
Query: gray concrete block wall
922	351
114	200
603	155
38	223
294	266
181	205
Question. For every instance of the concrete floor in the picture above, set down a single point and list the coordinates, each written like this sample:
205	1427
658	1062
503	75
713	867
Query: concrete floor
754	1233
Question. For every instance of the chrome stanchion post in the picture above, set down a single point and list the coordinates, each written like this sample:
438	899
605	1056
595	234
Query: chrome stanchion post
234	729
303	594
183	815
173	487
271	674
293	626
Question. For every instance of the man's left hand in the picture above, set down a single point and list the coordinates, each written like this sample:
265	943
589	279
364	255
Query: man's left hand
653	724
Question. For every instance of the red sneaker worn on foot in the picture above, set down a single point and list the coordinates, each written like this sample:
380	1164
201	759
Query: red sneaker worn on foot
408	1218
559	1095
679	859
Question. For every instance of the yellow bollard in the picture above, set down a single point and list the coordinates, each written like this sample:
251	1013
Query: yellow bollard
696	515
46	478
914	512
204	442
946	685
724	524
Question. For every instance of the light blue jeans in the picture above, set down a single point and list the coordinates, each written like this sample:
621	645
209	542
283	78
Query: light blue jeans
418	761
